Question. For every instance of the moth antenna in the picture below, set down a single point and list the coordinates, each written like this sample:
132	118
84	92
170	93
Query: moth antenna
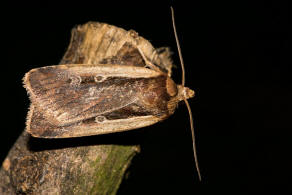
193	138
185	100
178	48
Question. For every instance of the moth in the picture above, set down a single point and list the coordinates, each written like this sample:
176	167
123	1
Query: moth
74	100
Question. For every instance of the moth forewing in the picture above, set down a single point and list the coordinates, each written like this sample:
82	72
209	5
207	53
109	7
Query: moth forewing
81	100
62	92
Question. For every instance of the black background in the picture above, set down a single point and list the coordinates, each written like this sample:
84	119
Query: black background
237	58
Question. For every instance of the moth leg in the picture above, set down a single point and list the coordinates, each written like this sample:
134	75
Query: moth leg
148	62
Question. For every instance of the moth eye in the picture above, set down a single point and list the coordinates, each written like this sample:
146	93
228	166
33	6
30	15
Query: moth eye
99	78
100	119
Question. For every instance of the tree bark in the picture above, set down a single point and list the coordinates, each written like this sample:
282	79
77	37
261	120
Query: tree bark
91	169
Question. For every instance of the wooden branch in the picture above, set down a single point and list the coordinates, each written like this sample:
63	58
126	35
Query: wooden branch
91	169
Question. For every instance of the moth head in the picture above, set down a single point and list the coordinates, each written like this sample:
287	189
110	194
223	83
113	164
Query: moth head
180	91
185	92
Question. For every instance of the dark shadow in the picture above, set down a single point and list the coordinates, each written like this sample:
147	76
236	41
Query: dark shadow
122	138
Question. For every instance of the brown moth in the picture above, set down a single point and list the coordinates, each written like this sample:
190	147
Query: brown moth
119	93
97	99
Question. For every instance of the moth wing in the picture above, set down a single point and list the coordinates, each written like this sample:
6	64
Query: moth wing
66	94
38	126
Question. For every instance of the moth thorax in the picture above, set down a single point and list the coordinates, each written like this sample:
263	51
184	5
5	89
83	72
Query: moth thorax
171	87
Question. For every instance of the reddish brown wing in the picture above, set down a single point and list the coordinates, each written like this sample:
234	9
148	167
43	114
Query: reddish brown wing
69	93
68	101
39	126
